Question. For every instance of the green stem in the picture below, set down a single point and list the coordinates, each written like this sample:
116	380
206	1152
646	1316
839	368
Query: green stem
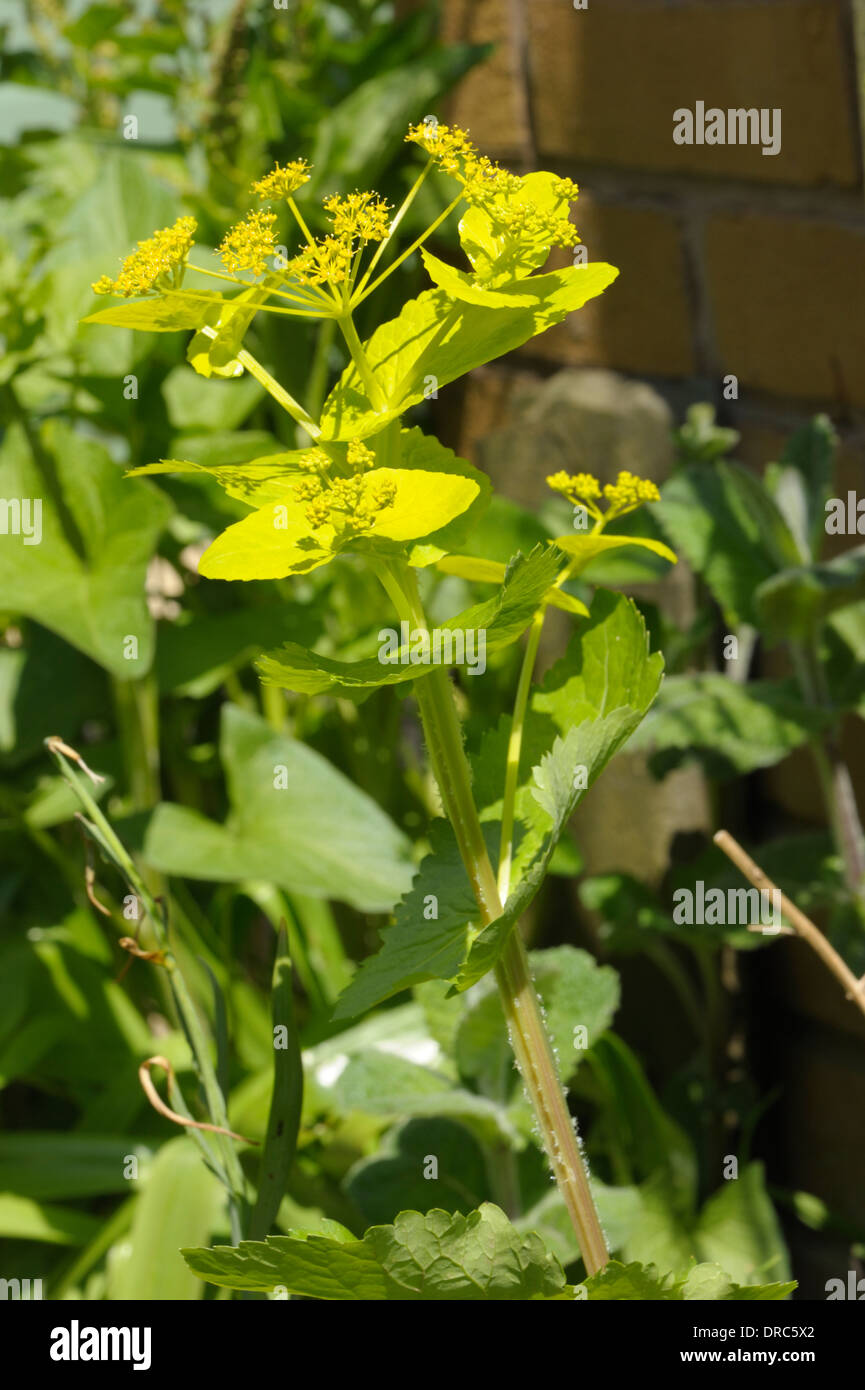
360	360
519	999
837	786
115	848
359	298
279	393
397	218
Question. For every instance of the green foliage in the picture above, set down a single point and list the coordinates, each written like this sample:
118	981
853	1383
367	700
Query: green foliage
420	1257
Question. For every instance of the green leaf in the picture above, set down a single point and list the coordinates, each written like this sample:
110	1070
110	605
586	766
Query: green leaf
23	1219
802	481
643	1283
700	440
424	452
295	821
436	337
181	1202
421	1257
502	619
582	713
730	728
575	992
483	571
795	602
164	313
592	700
396	1177
379	1083
588	547
706	517
278	540
85	579
286	1099
49	1167
256	482
497	253
739	1230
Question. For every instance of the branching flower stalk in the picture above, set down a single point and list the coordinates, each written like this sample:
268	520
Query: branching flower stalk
357	492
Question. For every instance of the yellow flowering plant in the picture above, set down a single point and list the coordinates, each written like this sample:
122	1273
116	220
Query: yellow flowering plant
385	495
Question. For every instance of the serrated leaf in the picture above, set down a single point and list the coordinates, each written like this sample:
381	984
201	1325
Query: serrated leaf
637	1282
582	713
483	571
438	338
502	619
316	834
421	1257
730	728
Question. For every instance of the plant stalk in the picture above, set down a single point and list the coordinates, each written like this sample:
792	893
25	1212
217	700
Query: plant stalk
519	998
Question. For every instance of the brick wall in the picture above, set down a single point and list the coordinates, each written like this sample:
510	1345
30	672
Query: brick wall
732	261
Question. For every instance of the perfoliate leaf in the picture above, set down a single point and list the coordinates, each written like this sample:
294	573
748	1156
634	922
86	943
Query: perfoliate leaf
709	523
295	821
278	539
164	313
427	1258
795	602
730	728
436	339
498	253
459	284
256	482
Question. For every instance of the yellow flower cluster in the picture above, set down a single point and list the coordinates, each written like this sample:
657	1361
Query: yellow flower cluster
455	153
359	216
487	185
584	490
282	182
576	487
158	261
326	260
348	504
359	456
527	220
629	491
247	245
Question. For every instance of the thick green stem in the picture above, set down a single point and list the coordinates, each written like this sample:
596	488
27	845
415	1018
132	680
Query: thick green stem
520	1002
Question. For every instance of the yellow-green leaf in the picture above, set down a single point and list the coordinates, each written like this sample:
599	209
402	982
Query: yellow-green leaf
256	482
493	572
278	540
588	547
164	313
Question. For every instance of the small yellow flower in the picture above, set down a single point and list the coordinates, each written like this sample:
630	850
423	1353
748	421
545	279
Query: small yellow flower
350	505
247	245
359	456
282	182
327	260
358	216
315	461
628	492
308	489
577	487
156	263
